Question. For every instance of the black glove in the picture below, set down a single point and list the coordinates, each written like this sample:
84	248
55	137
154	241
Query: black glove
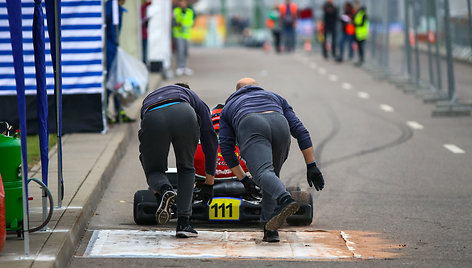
314	176
206	193
251	187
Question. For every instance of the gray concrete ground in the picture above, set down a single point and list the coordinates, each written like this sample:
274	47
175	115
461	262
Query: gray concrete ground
387	171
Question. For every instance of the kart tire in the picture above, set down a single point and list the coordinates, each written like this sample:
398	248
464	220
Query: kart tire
142	217
305	199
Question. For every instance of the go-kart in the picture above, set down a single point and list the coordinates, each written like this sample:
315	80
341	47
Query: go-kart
231	201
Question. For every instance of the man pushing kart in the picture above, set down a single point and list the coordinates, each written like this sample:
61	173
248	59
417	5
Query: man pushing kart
175	114
261	122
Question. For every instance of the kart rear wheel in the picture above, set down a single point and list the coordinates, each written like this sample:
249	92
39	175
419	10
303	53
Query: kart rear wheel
141	217
305	200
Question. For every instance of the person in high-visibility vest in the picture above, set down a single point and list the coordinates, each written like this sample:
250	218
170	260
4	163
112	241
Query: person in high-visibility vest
361	23
182	23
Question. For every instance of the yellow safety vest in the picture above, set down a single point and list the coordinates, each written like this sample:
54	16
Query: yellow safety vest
184	22
362	31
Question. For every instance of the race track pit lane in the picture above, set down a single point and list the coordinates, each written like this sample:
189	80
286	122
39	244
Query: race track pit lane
295	244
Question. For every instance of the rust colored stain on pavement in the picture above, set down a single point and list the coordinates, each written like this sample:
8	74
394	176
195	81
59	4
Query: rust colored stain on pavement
295	244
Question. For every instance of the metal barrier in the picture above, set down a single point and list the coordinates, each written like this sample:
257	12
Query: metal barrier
427	37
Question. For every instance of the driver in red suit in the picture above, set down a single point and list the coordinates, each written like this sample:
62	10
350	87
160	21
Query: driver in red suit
222	170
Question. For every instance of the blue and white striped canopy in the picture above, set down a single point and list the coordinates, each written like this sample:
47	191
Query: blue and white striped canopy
82	49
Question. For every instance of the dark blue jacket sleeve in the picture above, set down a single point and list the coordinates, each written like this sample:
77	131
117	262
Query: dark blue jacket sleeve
208	136
297	129
228	142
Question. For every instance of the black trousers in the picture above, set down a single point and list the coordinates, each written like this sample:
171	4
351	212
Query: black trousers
176	124
360	46
332	33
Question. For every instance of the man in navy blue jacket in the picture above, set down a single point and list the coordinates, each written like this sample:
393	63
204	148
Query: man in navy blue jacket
175	114
261	122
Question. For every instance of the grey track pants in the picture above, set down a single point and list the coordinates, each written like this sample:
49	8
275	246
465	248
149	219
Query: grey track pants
176	124
264	141
182	52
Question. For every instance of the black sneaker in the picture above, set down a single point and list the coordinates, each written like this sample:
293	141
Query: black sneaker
163	213
287	207
184	229
271	236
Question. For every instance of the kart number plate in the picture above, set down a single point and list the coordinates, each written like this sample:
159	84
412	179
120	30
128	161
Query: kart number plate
224	209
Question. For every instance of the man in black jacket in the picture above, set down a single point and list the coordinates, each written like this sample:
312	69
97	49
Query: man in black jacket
330	19
175	114
261	123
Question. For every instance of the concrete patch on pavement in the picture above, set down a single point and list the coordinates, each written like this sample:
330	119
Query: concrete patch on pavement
295	244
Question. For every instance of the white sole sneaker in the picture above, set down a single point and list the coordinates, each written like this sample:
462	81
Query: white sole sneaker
163	212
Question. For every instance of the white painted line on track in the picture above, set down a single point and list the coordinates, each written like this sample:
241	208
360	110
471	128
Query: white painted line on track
322	71
70	207
363	95
350	244
386	108
454	149
347	86
45	258
414	125
333	77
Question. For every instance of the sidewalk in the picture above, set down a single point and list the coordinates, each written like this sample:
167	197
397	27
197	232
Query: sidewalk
89	161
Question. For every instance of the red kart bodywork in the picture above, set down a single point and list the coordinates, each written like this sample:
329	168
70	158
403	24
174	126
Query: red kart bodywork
222	170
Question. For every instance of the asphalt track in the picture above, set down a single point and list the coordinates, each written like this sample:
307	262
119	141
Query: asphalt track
398	183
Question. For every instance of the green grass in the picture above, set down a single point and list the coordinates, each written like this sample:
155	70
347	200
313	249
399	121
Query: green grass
32	145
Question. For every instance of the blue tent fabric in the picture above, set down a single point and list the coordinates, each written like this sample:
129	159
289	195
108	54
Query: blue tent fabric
51	20
14	20
82	53
42	95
